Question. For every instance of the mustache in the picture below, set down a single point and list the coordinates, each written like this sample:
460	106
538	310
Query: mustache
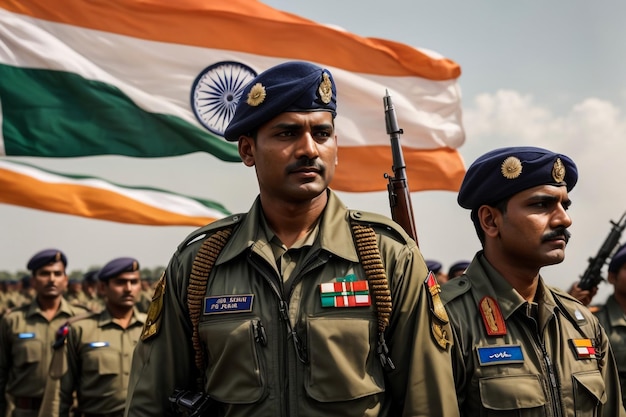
307	163
557	233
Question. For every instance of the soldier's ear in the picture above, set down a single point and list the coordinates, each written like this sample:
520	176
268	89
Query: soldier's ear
489	218
247	148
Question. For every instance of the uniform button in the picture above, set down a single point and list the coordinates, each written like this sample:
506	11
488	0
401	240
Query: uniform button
357	215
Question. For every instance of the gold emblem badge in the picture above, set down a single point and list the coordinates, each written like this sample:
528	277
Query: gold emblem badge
325	89
511	168
256	95
492	316
558	170
153	319
440	317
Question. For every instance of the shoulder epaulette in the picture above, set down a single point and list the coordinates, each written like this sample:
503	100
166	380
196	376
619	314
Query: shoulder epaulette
455	288
210	228
378	221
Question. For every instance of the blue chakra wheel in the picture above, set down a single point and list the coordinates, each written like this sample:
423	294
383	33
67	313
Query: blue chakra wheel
216	92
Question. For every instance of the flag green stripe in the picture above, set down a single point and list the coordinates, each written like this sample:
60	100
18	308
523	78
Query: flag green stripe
60	114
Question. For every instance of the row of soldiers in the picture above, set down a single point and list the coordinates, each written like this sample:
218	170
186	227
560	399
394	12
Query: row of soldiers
93	325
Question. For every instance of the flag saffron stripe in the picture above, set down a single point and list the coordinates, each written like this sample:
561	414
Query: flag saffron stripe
243	25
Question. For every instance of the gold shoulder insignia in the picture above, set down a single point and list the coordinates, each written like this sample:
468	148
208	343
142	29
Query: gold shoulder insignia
439	318
492	316
153	317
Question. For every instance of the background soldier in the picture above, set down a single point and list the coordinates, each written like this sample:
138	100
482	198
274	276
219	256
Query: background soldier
612	314
100	346
27	334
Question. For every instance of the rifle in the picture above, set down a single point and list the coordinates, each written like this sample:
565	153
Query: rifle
398	187
591	278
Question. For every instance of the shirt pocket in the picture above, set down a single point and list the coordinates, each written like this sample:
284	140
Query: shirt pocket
589	392
512	395
235	374
27	352
101	360
343	366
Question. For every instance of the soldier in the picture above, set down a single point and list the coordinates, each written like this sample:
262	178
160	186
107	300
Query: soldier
299	307
93	299
28	332
457	269
521	347
612	314
100	346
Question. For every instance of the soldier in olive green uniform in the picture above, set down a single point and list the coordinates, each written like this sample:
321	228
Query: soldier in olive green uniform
100	346
523	348
273	312
27	334
612	314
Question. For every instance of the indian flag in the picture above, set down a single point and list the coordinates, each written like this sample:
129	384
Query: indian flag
153	78
28	186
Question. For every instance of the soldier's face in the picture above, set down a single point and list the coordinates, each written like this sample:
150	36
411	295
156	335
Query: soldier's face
50	280
294	155
122	290
532	232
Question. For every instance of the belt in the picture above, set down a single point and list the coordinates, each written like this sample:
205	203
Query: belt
27	403
113	414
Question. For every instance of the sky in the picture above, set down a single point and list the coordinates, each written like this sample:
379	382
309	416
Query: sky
549	74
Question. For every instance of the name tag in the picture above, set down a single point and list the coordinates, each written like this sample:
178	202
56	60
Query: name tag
496	355
240	303
26	336
98	344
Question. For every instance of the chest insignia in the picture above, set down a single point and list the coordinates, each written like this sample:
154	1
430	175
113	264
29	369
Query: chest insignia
239	303
498	355
346	292
26	336
98	344
492	316
583	348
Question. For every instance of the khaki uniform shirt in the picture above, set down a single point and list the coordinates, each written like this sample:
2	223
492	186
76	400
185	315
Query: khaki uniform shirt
272	349
26	339
612	318
549	358
99	354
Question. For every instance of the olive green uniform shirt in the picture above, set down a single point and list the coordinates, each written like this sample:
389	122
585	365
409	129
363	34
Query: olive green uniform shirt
26	339
612	318
514	358
99	354
272	349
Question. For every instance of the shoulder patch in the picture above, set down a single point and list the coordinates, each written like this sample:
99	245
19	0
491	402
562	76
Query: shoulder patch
379	221
154	316
455	288
201	233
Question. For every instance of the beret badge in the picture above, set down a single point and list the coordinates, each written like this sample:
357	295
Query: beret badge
257	94
558	170
325	89
511	168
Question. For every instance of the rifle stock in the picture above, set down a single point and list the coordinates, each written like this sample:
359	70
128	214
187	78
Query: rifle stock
593	274
398	187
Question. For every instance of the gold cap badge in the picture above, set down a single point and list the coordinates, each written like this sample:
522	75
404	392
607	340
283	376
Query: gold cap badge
256	95
558	170
511	168
325	89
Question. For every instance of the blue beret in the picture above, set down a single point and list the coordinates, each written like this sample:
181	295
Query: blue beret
458	266
45	257
116	267
503	172
289	87
433	266
618	259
